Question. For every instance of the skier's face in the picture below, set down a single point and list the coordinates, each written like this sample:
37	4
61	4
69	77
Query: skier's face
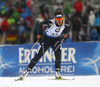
59	21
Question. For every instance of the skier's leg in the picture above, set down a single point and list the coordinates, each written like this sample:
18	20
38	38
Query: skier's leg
42	49
57	51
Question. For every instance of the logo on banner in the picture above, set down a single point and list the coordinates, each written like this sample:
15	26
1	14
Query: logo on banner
92	63
5	65
46	64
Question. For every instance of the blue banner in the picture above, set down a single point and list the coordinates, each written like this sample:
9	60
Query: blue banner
78	58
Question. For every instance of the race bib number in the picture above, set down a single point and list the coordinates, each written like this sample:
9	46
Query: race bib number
53	34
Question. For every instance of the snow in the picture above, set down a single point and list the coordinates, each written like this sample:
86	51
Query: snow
80	81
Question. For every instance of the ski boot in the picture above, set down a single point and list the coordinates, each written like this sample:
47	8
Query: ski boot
23	75
57	75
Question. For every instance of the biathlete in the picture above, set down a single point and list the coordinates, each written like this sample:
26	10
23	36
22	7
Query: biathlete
51	38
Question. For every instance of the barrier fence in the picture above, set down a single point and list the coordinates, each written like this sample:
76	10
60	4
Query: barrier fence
78	58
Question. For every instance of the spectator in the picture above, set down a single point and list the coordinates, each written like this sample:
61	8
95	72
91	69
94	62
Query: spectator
6	11
42	6
11	20
97	21
22	37
28	3
44	11
72	16
3	10
28	11
78	6
29	23
58	6
15	14
6	8
91	19
67	10
5	24
19	9
11	8
77	25
17	4
13	29
89	8
24	14
39	18
1	19
94	36
85	22
21	29
97	14
11	36
4	28
19	20
1	4
23	4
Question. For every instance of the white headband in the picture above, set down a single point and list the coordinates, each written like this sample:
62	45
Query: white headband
58	16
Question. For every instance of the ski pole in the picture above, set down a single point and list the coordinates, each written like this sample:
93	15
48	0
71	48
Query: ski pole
29	51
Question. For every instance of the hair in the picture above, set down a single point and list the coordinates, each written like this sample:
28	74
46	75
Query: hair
58	12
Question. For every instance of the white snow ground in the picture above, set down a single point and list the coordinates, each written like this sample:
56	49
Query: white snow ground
80	81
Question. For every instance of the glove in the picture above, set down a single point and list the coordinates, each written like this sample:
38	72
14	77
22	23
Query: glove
38	36
65	35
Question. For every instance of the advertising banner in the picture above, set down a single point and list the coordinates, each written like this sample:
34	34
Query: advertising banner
77	58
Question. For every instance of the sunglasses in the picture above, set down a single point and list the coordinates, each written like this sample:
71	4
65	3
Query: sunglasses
59	18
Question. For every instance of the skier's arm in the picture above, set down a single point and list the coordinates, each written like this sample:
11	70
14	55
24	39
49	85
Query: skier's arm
43	25
66	30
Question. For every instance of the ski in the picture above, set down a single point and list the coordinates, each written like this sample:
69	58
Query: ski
19	79
62	79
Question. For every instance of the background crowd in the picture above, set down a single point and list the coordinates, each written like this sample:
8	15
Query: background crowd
15	22
19	24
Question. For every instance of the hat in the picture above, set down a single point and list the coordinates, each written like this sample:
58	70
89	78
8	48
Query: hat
58	14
